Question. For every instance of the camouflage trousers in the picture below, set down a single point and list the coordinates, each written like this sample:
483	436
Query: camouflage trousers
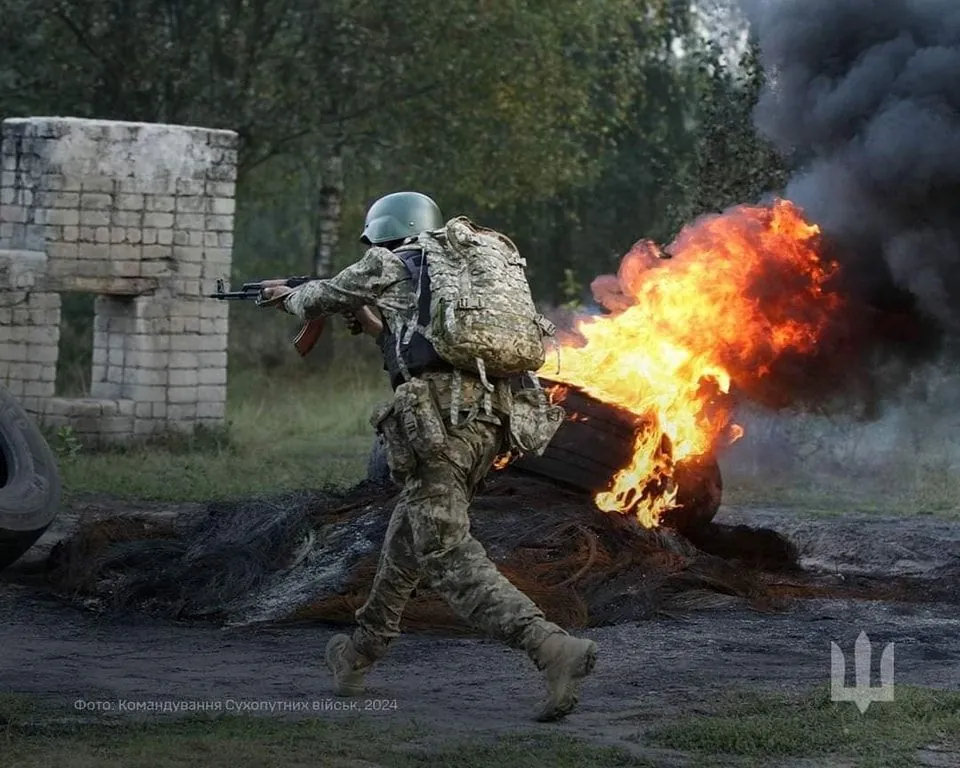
428	543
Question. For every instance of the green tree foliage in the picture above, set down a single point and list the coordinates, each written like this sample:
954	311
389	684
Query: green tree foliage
577	127
642	168
733	164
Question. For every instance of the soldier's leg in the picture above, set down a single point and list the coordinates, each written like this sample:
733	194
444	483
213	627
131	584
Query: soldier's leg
398	573
378	620
456	565
452	561
464	574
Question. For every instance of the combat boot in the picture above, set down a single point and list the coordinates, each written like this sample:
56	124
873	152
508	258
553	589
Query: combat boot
346	666
564	661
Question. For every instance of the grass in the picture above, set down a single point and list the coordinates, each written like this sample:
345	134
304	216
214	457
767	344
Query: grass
295	428
747	730
284	432
759	729
225	742
908	488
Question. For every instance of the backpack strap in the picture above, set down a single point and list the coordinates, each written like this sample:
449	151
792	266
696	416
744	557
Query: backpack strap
556	345
456	392
487	387
412	255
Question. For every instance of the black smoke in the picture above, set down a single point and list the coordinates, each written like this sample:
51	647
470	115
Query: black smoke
863	97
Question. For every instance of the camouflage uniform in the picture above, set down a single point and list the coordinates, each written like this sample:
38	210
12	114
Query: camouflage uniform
428	540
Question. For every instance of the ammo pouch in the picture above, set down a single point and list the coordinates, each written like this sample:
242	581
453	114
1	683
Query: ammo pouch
533	421
419	417
400	456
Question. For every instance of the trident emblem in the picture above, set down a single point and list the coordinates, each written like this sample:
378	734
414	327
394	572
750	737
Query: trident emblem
862	693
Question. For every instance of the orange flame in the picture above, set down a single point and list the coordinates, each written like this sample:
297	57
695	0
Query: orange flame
737	291
502	461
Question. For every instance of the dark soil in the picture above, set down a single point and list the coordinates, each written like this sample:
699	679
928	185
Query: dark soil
675	638
313	556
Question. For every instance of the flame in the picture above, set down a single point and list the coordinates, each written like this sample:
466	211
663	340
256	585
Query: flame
737	291
502	461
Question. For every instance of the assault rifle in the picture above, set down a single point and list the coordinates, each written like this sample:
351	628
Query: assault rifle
312	330
254	291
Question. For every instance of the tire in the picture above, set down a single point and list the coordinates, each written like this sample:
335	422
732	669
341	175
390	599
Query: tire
597	440
30	489
586	454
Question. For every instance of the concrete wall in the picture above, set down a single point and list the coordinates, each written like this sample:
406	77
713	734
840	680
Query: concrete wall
142	216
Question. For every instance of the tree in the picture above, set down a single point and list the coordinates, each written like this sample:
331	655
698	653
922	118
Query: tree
569	124
219	63
734	165
642	168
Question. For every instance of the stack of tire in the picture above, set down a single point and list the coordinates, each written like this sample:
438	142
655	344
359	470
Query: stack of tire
30	490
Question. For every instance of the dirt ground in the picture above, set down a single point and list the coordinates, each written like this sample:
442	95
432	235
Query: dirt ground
648	670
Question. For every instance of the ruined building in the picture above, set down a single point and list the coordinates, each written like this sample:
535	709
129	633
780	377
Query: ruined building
141	215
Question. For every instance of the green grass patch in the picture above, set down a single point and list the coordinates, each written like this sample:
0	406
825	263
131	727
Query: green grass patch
910	487
226	742
285	431
887	735
298	426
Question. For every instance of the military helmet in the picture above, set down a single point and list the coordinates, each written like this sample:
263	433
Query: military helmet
400	215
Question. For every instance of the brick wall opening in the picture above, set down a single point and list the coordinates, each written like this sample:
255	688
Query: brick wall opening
114	326
75	347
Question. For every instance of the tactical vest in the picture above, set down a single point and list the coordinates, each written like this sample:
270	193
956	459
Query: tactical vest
418	355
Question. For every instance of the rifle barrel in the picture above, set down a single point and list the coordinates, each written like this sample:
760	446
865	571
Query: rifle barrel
252	291
236	295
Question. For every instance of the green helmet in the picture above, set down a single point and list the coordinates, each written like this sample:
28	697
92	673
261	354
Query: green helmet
400	215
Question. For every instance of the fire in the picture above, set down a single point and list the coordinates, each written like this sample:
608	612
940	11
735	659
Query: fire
502	461
738	291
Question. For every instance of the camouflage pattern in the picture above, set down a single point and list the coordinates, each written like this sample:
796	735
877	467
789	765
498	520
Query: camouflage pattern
533	421
482	312
400	456
423	426
493	318
428	541
379	279
428	544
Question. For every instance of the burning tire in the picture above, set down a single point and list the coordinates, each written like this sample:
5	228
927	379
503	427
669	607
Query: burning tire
30	489
597	440
591	446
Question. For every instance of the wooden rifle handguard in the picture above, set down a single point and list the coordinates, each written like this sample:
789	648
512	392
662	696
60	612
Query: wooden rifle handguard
311	331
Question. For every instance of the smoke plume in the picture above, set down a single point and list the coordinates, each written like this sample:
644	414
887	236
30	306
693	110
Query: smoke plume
864	97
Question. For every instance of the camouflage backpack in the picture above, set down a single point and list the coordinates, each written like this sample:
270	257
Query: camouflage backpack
482	315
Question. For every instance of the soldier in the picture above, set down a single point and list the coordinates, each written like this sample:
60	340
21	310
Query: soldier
428	539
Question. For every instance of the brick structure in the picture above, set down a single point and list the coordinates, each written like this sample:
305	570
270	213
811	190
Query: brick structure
141	215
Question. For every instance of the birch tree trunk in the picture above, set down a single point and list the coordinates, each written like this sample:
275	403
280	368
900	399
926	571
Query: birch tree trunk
329	208
330	205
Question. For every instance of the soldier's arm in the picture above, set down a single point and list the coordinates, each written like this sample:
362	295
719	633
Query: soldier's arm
361	284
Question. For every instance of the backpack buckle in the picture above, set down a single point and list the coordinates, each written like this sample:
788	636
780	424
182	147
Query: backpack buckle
546	326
